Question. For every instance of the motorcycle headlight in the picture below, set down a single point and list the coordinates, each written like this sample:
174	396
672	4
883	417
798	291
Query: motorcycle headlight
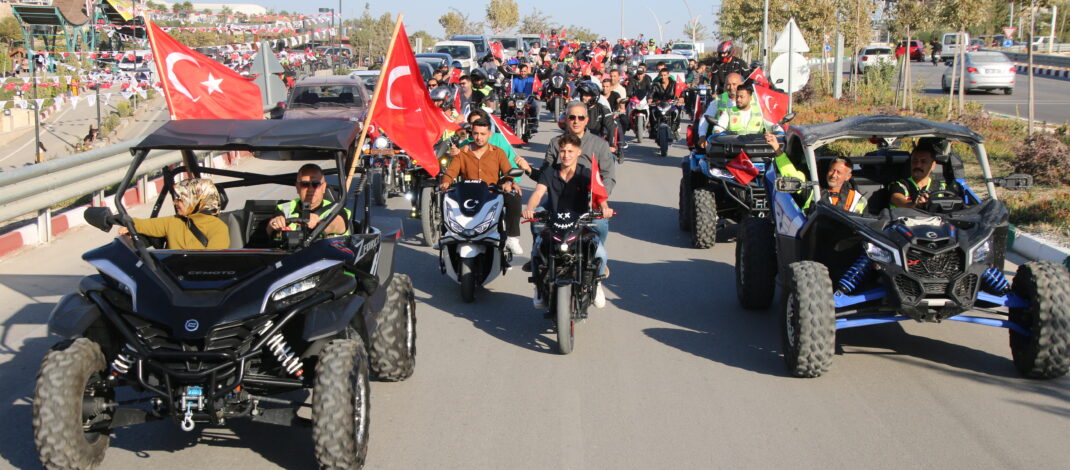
520	103
981	252
879	254
487	223
557	81
443	161
381	143
453	225
298	287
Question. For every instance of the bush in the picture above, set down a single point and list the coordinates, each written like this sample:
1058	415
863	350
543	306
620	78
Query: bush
108	124
124	108
1040	212
1045	157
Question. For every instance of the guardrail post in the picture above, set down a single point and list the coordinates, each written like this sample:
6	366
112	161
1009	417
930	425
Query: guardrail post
98	198
142	186
44	225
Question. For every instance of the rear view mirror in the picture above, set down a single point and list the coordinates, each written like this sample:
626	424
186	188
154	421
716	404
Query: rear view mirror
516	172
788	118
1016	182
788	185
99	217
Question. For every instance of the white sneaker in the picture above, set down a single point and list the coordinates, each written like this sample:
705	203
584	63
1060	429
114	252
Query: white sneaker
513	244
599	297
536	301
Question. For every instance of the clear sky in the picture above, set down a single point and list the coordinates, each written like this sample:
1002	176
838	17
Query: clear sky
601	16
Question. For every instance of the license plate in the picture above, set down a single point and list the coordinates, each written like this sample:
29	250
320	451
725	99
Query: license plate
993	70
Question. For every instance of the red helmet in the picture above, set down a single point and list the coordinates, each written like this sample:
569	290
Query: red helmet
725	51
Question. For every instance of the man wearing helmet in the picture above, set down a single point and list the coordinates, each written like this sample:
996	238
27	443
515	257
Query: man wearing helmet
600	120
482	93
726	64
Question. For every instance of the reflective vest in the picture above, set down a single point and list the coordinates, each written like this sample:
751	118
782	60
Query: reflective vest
745	122
292	209
853	202
912	190
724	103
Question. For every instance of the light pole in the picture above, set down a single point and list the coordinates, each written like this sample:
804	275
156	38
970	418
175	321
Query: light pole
622	19
661	35
765	36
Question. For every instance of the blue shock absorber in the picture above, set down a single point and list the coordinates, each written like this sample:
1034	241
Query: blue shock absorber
994	281
854	275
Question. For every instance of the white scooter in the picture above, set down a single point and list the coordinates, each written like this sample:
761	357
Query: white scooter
472	248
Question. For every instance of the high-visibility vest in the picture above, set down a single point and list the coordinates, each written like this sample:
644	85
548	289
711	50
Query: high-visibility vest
292	208
745	122
911	189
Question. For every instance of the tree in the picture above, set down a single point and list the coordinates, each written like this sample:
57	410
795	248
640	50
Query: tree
907	18
456	22
581	34
502	15
427	38
960	14
695	30
536	22
10	31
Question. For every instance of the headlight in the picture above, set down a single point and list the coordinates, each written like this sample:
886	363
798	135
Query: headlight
442	162
878	254
298	287
489	222
563	247
381	143
981	252
520	103
453	225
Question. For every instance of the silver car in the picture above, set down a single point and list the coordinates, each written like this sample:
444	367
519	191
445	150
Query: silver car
985	70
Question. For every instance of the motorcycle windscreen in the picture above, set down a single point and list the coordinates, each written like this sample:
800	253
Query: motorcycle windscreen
471	195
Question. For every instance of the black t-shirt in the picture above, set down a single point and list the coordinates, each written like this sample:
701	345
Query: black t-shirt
572	195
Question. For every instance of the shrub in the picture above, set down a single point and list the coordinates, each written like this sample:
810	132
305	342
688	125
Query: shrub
124	109
1046	158
1052	211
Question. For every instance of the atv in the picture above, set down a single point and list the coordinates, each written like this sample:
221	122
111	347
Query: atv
715	187
935	263
201	337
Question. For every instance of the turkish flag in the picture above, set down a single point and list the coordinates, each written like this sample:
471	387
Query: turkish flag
679	88
402	106
564	52
758	76
496	49
455	76
457	102
197	87
536	86
507	131
598	189
774	104
742	168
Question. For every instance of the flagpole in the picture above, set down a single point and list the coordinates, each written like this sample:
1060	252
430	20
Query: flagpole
160	69
371	109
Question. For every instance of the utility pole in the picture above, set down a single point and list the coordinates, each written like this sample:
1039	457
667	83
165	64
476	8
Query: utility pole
1029	45
38	155
622	19
765	36
1051	38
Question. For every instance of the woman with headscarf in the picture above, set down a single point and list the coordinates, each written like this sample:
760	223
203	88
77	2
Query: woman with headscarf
195	225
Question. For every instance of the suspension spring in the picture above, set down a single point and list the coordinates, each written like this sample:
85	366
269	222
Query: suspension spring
994	281
123	361
290	361
854	275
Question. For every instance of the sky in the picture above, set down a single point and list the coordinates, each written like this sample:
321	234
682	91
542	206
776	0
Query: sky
601	16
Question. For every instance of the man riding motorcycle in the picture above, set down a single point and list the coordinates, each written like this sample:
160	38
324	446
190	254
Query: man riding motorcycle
600	119
726	64
482	92
664	89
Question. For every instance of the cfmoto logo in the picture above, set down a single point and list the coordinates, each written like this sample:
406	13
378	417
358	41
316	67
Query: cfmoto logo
192	325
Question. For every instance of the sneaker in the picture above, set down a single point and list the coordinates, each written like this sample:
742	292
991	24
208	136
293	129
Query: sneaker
513	244
526	267
538	302
599	297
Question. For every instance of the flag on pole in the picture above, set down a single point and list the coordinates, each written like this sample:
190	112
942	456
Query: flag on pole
403	108
742	168
197	87
536	86
774	104
758	76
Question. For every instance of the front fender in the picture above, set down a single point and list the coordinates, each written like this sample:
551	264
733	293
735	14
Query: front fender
72	316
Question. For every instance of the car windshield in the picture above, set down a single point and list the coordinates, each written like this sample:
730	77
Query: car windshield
481	48
683	46
988	58
509	43
877	51
322	96
457	52
674	65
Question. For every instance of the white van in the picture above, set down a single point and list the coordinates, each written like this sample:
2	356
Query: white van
951	45
461	51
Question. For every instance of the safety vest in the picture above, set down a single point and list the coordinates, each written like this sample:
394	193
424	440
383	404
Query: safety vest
292	208
853	202
745	122
724	103
912	190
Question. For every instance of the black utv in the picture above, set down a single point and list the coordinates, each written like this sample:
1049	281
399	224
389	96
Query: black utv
931	263
206	336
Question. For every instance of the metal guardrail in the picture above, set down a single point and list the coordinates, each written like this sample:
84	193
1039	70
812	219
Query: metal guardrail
1039	60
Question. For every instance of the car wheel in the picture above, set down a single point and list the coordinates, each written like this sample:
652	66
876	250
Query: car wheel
1008	91
1045	353
756	263
808	319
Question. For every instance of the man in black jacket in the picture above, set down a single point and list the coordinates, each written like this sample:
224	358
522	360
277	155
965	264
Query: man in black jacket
725	65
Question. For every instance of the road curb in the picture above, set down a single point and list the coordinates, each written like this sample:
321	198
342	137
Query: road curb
1045	72
29	235
1035	248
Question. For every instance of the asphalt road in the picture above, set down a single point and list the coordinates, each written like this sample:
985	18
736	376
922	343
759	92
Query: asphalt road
1052	100
670	374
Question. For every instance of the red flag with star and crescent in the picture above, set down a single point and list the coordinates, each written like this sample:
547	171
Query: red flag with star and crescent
774	104
742	168
197	87
403	108
598	189
758	76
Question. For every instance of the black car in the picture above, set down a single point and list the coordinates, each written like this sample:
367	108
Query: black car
207	336
935	263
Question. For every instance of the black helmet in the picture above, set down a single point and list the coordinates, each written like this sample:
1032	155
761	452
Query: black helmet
725	50
440	93
477	75
587	88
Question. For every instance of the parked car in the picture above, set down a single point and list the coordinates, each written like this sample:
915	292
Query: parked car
461	51
873	55
985	70
481	42
435	59
685	49
369	77
676	63
917	49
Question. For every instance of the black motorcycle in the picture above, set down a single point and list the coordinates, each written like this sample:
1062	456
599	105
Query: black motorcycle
565	269
556	93
520	112
664	120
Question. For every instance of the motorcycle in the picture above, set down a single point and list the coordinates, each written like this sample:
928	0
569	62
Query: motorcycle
519	112
566	269
639	116
472	247
556	93
389	173
664	119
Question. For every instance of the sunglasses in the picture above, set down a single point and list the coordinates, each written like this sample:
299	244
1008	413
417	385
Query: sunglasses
309	184
573	117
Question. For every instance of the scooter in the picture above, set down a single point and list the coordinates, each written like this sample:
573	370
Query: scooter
472	247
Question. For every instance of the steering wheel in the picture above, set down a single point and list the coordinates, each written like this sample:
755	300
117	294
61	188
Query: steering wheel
944	201
291	239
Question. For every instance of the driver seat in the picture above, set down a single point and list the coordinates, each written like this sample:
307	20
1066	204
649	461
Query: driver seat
235	221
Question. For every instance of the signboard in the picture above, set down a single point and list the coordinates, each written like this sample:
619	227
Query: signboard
791	39
1009	31
1008	43
125	8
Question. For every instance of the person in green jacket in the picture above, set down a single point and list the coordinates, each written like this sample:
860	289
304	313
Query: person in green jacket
498	140
837	192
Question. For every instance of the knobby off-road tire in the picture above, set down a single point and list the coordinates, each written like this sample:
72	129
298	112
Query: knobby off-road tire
393	351
58	432
703	218
340	408
1045	353
430	214
467	277
808	319
566	328
684	204
756	263
377	186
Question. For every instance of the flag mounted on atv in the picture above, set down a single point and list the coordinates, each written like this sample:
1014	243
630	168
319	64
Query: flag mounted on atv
742	168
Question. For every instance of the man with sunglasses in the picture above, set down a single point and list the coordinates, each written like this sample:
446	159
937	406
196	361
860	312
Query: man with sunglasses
311	187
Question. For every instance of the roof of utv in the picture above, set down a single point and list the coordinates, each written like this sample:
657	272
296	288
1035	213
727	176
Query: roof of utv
249	134
878	126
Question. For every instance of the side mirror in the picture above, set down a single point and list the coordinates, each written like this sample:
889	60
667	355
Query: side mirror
516	172
1015	182
99	217
788	118
788	185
